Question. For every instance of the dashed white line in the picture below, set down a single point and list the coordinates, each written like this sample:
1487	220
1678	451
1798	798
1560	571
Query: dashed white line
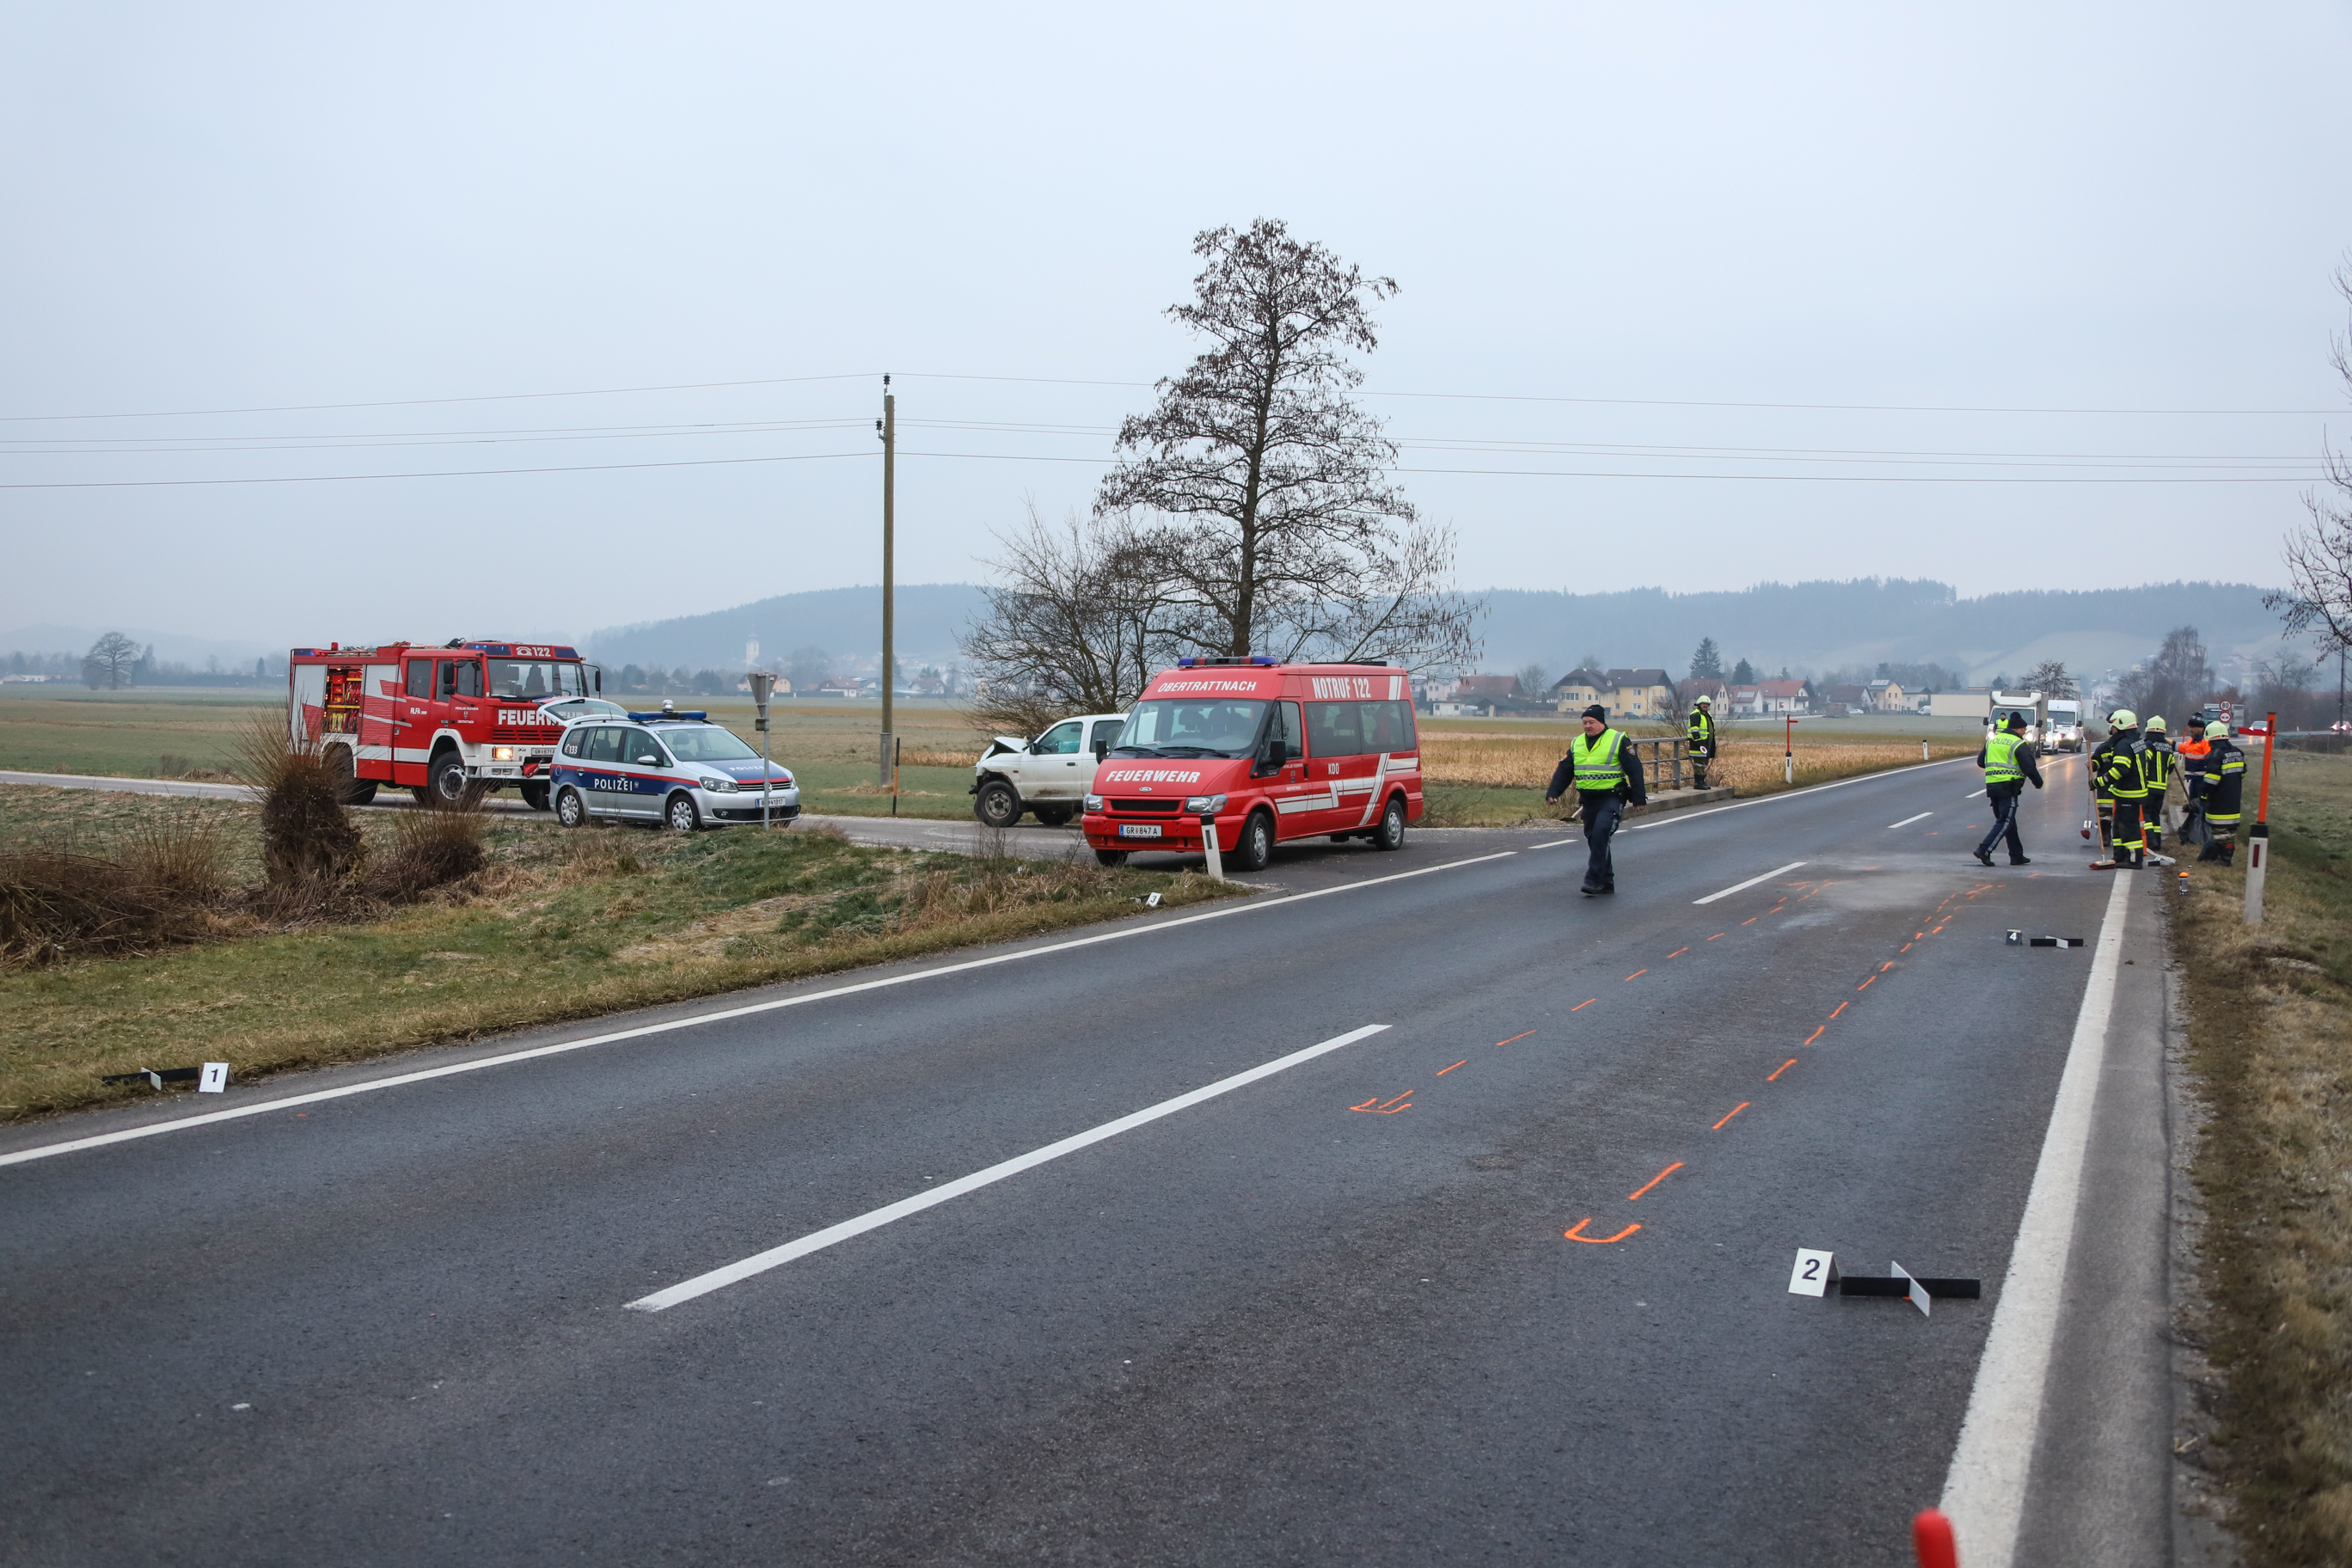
1741	887
1909	820
1972	795
815	1241
1681	817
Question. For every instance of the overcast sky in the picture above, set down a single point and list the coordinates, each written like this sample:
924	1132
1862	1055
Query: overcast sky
1689	210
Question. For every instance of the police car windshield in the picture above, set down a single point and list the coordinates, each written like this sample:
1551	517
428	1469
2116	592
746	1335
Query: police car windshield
705	743
1190	726
530	679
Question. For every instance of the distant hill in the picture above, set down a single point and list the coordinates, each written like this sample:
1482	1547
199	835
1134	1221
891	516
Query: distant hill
1809	627
844	622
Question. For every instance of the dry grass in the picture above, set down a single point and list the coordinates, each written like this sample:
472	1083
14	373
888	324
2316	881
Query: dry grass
1526	762
2270	1028
430	849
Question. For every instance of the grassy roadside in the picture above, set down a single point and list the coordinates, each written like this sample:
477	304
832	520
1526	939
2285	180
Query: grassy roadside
2270	1036
560	925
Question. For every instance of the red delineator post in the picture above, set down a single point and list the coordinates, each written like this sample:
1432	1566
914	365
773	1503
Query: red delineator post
1931	1538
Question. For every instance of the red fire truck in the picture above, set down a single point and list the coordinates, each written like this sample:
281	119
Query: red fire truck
448	719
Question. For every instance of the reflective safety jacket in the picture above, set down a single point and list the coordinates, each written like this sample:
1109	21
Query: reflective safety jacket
1999	759
2116	766
2156	765
1602	765
2223	789
1702	732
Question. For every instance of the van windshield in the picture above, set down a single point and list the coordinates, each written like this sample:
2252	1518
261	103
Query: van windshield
1192	727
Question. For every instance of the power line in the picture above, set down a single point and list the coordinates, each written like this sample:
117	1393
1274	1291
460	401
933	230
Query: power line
425	402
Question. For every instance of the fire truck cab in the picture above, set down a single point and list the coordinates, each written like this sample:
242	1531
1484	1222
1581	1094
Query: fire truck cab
450	720
1267	752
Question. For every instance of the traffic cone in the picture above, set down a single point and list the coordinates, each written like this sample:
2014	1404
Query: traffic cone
1931	1538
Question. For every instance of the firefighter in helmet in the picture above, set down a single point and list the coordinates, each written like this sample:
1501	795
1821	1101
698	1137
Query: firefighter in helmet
1702	739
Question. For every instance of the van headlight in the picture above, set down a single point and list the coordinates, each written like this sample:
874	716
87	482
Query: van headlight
1204	804
720	786
1093	802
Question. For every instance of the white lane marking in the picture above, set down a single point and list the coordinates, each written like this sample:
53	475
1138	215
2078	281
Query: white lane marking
1682	816
1985	1492
1972	795
1554	844
1909	820
1741	887
262	1107
817	1240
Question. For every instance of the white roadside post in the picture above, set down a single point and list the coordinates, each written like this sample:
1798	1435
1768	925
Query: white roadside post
1208	844
762	683
2258	836
1789	752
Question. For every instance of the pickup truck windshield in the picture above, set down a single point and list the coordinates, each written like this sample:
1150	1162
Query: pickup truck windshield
711	745
1190	726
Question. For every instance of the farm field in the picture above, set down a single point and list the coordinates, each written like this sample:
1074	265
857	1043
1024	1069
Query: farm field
1482	773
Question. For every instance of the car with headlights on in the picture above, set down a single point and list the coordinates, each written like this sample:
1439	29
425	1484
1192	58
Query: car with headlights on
675	768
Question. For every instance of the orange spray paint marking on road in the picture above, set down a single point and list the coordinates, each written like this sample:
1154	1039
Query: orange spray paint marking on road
1443	1071
1581	1006
1390	1109
1906	947
1637	975
1716	937
1816	1034
1576	1233
1868	983
1730	1113
1885	966
1937	931
1514	1037
1840	1009
1784	1067
1752	920
1678	952
1653	1181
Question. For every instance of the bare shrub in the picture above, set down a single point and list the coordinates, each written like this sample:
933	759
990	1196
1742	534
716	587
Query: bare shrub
58	903
306	833
434	845
176	858
943	896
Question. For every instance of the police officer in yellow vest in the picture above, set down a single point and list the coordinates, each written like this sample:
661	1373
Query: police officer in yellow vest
2008	760
1702	740
1607	776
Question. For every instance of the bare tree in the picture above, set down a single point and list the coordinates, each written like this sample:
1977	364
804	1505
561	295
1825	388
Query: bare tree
1082	619
112	661
1274	523
2176	680
2049	679
1534	681
2318	600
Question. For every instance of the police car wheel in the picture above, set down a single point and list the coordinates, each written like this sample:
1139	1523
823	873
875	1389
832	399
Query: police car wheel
569	809
1390	834
1254	848
681	813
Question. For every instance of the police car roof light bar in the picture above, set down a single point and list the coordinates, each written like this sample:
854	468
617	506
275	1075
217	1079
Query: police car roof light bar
696	713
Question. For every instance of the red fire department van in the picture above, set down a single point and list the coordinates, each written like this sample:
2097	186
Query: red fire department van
446	719
1270	752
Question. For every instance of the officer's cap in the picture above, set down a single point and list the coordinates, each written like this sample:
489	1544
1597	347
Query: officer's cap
2017	721
1597	711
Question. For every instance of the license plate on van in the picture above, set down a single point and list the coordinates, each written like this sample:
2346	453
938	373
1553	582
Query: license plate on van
1139	830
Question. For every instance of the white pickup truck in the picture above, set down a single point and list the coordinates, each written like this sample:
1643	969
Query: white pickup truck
1047	778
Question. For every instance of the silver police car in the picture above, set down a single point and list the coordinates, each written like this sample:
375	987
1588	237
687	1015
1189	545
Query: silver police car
670	767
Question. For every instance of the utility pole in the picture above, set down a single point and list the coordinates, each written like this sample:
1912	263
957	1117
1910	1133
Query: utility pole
888	425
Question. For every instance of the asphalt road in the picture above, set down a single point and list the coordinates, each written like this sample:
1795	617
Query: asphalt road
1502	1282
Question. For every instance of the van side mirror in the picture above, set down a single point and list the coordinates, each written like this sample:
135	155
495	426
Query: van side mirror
1277	752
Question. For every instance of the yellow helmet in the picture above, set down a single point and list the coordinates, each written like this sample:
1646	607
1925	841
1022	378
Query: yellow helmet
2155	723
2122	718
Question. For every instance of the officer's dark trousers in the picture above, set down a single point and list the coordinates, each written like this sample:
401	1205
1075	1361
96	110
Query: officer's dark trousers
1601	814
2003	799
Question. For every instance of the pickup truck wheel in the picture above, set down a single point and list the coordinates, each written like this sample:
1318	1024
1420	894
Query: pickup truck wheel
1052	815
1390	832
1255	848
569	809
998	804
1110	856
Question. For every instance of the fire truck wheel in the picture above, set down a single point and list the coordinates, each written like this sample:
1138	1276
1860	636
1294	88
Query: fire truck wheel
1110	856
450	785
535	795
1391	833
569	809
346	776
421	795
1255	847
681	815
999	805
360	794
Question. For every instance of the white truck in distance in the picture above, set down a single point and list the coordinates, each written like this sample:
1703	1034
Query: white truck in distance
2053	724
1048	777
